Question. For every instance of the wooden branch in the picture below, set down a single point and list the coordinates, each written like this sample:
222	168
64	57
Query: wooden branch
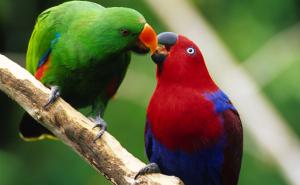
106	155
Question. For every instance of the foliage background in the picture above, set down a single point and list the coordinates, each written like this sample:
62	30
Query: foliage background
244	26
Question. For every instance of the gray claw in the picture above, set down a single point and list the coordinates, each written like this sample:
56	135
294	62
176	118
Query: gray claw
149	168
100	123
53	96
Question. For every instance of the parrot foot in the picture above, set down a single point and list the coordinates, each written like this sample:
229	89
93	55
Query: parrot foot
54	94
100	123
149	168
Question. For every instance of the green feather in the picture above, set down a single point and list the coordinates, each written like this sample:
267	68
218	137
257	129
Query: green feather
89	55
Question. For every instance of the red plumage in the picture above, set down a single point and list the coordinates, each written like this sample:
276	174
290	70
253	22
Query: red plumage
42	69
193	131
177	125
182	87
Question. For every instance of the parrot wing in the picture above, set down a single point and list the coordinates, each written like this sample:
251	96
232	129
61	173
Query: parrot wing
233	147
148	140
38	55
42	38
50	25
234	136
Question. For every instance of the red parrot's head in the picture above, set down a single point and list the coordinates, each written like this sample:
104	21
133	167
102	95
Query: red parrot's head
180	61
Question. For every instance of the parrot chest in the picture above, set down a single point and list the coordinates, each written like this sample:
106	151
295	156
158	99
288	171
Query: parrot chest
193	135
184	120
81	86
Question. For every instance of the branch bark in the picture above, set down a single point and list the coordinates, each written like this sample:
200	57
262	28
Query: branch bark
106	155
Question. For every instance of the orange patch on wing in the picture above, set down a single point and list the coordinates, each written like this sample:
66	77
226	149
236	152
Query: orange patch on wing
41	70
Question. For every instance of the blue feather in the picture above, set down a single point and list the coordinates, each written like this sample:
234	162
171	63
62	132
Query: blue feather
47	53
44	58
220	101
196	168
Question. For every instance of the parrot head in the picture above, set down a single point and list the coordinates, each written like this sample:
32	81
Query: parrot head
129	30
179	61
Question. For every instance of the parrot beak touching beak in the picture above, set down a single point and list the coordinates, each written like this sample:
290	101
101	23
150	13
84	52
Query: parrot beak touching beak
165	40
148	39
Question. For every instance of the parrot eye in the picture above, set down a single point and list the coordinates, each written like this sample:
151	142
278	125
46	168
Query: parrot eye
124	32
190	50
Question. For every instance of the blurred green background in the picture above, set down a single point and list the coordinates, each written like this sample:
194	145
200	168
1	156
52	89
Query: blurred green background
246	27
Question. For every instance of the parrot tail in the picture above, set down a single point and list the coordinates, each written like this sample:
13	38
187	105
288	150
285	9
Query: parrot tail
31	130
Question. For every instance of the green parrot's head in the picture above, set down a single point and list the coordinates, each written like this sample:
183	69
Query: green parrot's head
127	30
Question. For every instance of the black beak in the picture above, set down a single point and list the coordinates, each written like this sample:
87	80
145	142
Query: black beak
167	40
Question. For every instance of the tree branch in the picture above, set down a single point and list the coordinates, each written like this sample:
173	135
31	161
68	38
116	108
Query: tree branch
106	155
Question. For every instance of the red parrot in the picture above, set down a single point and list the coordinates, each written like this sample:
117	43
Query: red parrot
193	131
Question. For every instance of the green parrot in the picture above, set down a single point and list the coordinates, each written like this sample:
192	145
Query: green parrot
81	50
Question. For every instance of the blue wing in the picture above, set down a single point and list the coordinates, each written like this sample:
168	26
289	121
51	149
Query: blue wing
233	148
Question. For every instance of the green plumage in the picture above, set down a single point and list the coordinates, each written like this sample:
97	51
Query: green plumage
87	51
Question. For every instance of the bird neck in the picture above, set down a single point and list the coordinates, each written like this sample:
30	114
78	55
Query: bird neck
189	76
202	83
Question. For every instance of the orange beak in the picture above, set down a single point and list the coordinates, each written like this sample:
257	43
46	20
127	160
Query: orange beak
149	38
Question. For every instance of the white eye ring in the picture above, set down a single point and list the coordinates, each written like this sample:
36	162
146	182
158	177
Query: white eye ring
190	50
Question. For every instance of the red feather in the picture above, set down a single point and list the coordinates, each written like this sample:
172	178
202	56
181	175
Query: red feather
188	123
193	131
181	116
41	70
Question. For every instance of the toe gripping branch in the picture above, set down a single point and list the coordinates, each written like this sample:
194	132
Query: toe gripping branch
100	123
54	94
149	168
